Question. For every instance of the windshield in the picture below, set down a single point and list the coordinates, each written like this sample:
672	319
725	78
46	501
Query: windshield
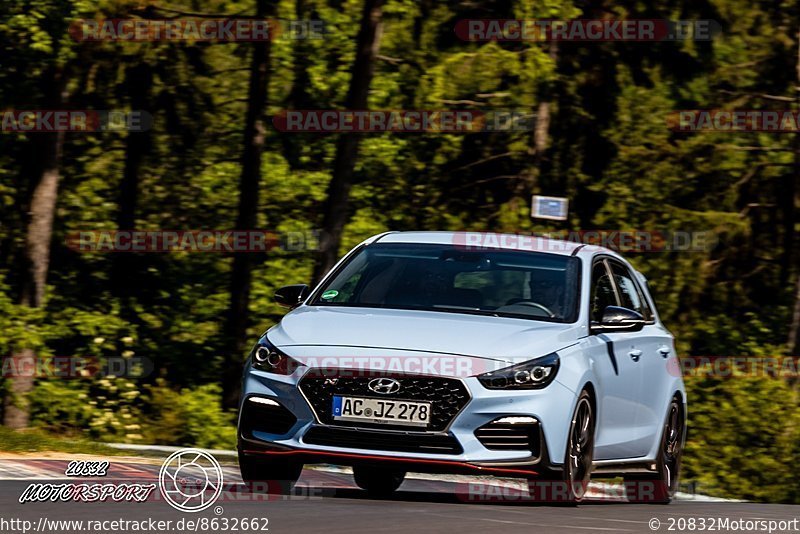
505	283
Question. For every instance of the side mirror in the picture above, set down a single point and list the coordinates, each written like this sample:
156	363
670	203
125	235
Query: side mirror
292	296
618	319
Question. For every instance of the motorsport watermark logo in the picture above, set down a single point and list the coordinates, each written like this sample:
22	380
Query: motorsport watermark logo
190	480
193	485
85	491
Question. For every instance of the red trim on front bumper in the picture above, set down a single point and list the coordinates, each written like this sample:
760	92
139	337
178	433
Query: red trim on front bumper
394	459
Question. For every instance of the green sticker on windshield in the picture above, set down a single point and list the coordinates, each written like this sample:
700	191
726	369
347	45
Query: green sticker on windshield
329	294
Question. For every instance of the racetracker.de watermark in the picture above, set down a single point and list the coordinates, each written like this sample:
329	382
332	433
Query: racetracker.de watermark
586	30
398	366
224	30
734	120
617	240
786	367
556	491
50	120
218	241
75	367
403	121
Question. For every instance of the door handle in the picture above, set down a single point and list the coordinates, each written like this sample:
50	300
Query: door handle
664	351
635	354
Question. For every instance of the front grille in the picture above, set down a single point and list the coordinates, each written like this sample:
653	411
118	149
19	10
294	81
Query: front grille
504	436
446	395
269	418
361	438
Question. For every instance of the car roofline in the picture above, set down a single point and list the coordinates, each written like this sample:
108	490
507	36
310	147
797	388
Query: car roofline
493	241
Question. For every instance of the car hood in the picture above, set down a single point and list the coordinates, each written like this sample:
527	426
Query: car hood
496	338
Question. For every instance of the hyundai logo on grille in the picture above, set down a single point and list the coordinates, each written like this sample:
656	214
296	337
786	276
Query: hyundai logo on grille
385	386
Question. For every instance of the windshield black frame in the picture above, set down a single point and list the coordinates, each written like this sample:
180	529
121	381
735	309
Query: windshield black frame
572	309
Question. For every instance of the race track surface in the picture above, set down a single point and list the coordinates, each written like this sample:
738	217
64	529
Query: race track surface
327	501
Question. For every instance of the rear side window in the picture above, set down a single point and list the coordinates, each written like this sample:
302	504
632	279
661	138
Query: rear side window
644	291
630	294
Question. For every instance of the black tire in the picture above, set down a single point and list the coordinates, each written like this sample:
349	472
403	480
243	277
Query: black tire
378	482
569	486
269	476
580	449
660	487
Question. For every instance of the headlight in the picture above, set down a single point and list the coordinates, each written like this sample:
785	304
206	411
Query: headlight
534	374
268	358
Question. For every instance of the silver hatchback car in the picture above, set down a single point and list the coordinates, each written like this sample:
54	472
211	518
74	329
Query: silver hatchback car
476	353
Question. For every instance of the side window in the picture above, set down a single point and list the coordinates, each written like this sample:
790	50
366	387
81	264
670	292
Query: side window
644	291
602	291
629	294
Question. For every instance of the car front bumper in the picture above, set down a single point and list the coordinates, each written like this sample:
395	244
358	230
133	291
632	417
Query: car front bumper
278	419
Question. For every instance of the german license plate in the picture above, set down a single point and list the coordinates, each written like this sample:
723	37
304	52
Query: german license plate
380	411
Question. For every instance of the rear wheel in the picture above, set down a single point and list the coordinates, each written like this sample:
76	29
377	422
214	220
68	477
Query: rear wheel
269	476
660	487
378	482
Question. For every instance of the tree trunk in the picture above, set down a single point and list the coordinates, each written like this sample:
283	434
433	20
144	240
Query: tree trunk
235	329
36	257
40	222
794	328
540	137
137	145
789	190
299	97
335	209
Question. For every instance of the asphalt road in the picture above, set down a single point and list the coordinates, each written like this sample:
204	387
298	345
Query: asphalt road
327	501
